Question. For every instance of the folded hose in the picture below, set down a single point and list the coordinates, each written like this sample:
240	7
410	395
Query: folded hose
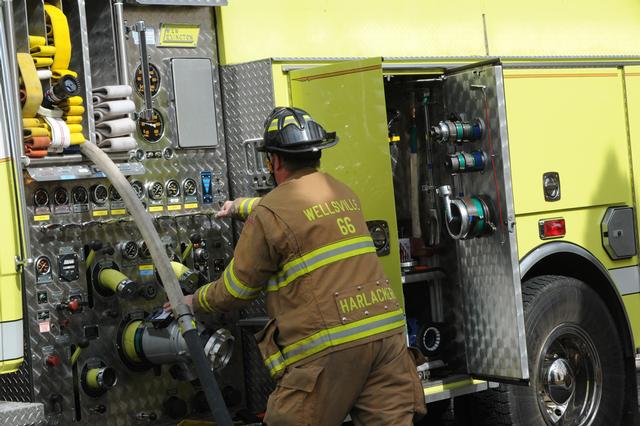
168	277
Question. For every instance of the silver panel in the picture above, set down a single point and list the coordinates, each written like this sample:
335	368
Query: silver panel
626	279
68	229
488	267
194	102
21	414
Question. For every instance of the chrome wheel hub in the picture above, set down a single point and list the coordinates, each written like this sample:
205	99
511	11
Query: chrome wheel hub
569	382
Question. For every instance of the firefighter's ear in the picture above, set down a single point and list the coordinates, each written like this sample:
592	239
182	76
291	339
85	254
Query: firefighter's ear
276	162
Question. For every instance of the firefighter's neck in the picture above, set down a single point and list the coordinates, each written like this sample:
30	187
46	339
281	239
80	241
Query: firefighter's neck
283	174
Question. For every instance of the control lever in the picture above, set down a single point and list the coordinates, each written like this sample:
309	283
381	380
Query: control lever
141	28
445	192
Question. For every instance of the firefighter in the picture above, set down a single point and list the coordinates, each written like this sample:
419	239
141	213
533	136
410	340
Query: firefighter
334	342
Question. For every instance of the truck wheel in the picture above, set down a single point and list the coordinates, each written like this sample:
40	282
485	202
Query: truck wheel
576	363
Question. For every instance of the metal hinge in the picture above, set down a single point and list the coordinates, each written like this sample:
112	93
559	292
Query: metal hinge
22	263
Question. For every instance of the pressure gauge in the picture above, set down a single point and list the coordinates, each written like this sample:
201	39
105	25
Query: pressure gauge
41	197
128	249
79	195
138	188
99	194
114	195
60	196
189	187
154	80
43	265
151	129
155	191
143	249
173	188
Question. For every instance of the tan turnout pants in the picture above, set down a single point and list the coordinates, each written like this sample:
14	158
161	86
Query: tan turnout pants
376	383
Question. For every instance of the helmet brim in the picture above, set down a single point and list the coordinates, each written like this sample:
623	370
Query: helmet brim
311	146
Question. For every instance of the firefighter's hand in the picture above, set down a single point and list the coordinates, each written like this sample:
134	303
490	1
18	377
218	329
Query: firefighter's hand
188	299
226	210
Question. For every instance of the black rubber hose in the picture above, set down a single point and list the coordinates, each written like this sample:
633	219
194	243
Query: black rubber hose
207	379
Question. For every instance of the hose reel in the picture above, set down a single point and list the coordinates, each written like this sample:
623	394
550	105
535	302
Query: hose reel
467	217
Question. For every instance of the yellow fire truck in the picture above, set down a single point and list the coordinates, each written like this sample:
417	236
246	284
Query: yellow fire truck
494	147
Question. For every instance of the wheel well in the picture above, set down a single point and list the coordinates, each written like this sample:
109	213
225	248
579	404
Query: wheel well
572	264
576	266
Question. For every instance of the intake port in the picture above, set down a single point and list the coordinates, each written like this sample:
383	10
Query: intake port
41	197
60	196
79	195
97	378
99	194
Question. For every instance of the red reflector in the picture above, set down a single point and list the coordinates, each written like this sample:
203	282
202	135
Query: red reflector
552	228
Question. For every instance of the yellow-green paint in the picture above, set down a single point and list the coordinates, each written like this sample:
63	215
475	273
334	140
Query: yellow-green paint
403	28
129	341
583	229
443	387
632	303
569	121
110	278
10	283
632	93
349	98
92	378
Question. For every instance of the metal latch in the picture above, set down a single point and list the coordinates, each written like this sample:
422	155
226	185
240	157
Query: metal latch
22	263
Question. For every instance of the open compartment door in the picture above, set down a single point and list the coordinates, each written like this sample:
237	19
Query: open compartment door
488	266
349	98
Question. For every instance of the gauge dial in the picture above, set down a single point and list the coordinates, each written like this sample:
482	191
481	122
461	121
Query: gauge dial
156	191
114	195
189	187
60	196
154	77
43	265
41	197
138	188
173	188
129	250
79	195
99	194
151	129
144	250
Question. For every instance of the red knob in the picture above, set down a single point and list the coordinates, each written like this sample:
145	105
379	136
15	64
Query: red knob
73	305
52	360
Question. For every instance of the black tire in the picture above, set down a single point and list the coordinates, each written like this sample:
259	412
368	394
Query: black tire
551	304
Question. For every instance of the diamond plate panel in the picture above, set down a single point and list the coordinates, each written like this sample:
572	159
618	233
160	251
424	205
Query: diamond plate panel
66	229
488	267
21	414
257	380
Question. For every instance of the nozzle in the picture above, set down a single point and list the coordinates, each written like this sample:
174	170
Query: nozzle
117	282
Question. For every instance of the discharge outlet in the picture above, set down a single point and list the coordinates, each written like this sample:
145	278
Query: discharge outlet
457	131
187	278
97	378
467	217
465	162
143	344
112	281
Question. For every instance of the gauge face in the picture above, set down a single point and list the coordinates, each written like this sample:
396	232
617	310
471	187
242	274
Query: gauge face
154	80
114	195
156	191
144	250
99	194
79	195
138	188
151	129
173	188
189	187
43	265
60	196
41	197
129	250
